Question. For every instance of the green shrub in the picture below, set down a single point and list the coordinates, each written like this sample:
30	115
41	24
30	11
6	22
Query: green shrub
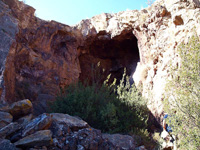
111	108
183	96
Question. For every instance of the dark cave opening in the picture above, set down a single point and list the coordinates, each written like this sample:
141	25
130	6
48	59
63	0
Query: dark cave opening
113	54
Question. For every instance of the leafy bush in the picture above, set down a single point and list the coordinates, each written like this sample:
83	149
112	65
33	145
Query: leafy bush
111	108
183	96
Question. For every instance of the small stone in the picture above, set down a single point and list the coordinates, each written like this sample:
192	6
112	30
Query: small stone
5	119
40	138
80	147
21	108
55	142
141	148
40	123
9	129
7	145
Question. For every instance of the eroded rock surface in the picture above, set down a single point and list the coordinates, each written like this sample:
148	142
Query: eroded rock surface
46	56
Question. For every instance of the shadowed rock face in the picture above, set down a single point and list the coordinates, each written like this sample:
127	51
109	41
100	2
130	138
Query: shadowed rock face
43	60
113	54
8	30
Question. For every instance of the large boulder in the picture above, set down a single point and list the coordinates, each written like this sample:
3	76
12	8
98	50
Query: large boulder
42	122
21	108
73	122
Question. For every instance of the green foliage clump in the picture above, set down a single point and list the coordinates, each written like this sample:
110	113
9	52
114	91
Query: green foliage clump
183	96
109	107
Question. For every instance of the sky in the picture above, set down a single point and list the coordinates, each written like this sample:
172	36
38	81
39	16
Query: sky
72	12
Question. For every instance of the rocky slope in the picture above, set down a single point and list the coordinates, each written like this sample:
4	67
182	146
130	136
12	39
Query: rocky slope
40	57
20	130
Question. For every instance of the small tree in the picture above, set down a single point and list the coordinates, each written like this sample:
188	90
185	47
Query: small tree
183	96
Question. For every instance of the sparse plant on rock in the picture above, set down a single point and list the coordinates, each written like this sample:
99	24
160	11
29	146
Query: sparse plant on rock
109	107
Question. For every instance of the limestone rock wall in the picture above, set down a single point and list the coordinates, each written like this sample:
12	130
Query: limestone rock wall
159	29
45	56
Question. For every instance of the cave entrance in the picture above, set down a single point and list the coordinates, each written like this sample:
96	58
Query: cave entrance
114	54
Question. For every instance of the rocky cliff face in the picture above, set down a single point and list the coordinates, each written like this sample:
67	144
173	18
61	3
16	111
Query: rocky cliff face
42	56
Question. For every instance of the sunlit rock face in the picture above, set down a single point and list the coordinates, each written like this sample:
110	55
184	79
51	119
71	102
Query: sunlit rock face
46	56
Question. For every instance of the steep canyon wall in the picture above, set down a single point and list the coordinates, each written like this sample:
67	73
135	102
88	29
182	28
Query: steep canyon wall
40	57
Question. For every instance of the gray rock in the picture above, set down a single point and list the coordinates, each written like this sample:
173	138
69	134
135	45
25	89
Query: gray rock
25	120
89	138
140	148
40	138
60	129
9	129
71	142
40	123
41	148
4	108
80	147
5	119
124	142
6	145
73	122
